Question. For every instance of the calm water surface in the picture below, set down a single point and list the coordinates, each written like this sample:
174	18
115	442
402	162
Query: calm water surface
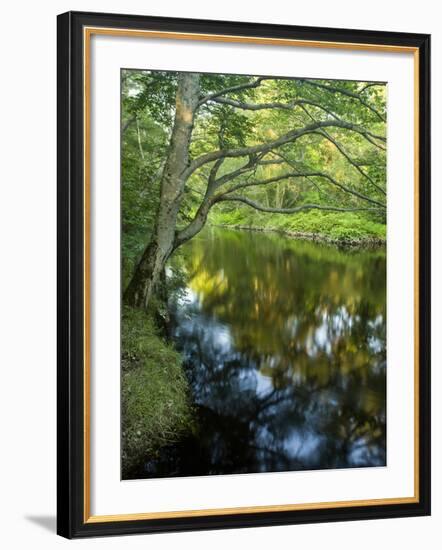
284	348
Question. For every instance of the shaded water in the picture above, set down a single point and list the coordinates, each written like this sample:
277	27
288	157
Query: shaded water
284	347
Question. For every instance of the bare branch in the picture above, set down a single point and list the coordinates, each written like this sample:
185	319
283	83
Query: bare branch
272	105
369	138
293	165
266	147
250	165
214	172
348	93
197	222
350	160
344	153
369	85
288	175
373	139
237	88
294	210
270	161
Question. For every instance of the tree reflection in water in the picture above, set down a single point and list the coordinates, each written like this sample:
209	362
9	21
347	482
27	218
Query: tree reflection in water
284	346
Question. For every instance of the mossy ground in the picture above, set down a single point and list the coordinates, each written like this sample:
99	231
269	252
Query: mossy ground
156	409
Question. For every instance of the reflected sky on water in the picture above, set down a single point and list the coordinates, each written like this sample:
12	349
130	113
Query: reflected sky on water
283	344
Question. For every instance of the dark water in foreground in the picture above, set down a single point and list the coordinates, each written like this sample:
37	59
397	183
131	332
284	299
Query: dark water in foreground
284	347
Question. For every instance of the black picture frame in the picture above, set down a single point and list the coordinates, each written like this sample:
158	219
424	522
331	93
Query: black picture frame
72	522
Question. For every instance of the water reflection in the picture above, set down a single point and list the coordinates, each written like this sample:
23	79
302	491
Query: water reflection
284	346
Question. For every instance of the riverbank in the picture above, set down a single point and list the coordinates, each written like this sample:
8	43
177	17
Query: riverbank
156	407
348	230
315	237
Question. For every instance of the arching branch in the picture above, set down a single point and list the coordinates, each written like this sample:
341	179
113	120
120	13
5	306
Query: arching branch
371	138
210	199
270	161
272	105
213	172
247	167
348	93
288	175
265	147
341	149
294	210
369	85
231	89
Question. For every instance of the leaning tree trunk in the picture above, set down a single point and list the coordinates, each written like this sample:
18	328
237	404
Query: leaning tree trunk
155	255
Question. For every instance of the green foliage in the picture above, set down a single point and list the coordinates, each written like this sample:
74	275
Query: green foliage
155	395
356	163
156	409
143	148
149	92
333	226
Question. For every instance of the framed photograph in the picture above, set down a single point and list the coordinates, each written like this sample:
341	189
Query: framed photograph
243	274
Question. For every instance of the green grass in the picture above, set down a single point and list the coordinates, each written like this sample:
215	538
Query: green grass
332	226
156	408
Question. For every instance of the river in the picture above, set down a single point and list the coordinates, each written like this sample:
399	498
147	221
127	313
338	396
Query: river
284	347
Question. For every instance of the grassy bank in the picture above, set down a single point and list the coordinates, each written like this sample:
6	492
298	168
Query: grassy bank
334	227
156	408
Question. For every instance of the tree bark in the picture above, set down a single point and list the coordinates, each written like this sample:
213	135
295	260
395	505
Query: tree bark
155	255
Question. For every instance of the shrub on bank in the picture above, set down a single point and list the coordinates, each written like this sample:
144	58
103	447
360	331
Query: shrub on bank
329	225
156	408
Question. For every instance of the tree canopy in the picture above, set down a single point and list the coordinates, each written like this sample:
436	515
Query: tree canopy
197	144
